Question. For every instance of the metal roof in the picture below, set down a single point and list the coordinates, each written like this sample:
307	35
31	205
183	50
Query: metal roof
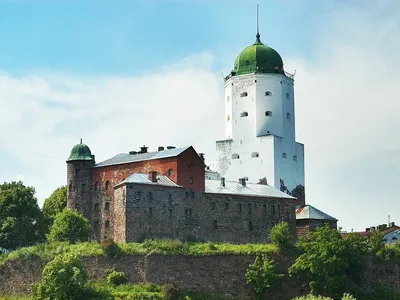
310	212
144	179
124	158
251	189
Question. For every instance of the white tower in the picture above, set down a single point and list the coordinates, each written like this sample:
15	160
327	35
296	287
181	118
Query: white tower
260	122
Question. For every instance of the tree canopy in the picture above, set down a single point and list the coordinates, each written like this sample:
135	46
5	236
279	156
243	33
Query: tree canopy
56	202
21	220
70	226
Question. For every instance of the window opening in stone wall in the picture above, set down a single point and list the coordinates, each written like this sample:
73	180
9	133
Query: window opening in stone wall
150	212
239	207
188	214
287	215
187	194
244	94
170	172
294	158
96	187
268	93
170	213
150	196
273	210
77	172
77	206
107	224
235	156
226	205
254	154
170	199
96	207
264	209
273	224
268	113
279	211
190	179
249	208
283	155
107	206
107	185
213	205
137	195
244	114
250	225
96	226
287	95
228	118
288	116
215	224
83	188
192	194
70	188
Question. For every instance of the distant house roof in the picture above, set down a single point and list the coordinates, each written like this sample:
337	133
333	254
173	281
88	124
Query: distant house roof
141	178
251	189
124	158
310	212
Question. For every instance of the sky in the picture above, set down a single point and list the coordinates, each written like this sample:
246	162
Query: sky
122	74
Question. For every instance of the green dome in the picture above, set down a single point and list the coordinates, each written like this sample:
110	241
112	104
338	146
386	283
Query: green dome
80	152
258	58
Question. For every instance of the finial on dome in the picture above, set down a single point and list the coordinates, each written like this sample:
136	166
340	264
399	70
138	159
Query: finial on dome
258	31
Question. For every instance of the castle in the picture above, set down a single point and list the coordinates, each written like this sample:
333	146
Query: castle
171	193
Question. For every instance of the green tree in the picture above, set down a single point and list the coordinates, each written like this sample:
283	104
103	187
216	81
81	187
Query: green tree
281	236
63	278
299	193
262	274
21	220
376	242
56	202
329	261
70	226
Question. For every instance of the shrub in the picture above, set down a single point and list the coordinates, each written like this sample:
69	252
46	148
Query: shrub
69	226
111	249
262	275
313	297
170	292
384	292
63	278
117	278
376	242
281	236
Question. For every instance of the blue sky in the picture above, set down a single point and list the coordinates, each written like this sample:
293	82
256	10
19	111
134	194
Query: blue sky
104	70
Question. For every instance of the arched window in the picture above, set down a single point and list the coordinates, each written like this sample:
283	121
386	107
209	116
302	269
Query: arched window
170	172
107	206
96	187
244	114
268	113
283	155
294	158
288	116
244	94
107	185
235	156
107	224
254	154
228	117
70	188
77	171
268	93
287	95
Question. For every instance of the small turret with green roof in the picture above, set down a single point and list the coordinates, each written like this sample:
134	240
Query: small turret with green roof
80	152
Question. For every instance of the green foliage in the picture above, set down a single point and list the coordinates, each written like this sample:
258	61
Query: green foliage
376	242
281	236
111	249
299	193
384	292
69	226
21	220
63	278
55	203
171	292
390	252
117	278
262	275
313	297
330	262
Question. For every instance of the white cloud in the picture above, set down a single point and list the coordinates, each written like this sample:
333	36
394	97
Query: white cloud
347	106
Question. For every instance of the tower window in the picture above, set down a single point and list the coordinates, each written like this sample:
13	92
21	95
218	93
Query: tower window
250	225
77	171
244	114
170	172
244	94
268	93
287	95
283	155
235	156
96	207
190	179
228	117
96	187
294	158
107	185
240	207
70	188
288	116
254	154
268	113
150	212
107	206
137	195
107	224
215	224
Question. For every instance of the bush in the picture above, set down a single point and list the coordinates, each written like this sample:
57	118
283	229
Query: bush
262	275
69	226
384	292
313	297
170	292
111	249
117	278
281	236
63	278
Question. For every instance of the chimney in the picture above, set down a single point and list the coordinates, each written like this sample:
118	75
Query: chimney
242	181
367	229
143	149
153	176
372	228
392	224
223	181
201	156
160	148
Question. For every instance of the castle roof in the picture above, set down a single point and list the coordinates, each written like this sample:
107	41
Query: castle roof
124	158
249	189
310	212
142	178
